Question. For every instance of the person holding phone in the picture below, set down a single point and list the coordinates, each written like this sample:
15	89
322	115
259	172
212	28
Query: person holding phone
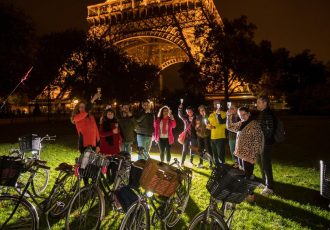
163	132
232	135
217	125
203	134
190	141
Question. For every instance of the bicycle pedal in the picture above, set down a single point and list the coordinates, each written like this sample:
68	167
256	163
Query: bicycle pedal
60	204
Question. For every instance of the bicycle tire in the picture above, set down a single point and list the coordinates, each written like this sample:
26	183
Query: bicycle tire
28	219
180	201
81	199
62	193
40	184
214	221
132	219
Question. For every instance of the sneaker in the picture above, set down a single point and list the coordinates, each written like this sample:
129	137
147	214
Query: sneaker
200	166
267	192
250	198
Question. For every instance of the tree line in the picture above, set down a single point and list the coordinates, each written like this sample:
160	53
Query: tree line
230	58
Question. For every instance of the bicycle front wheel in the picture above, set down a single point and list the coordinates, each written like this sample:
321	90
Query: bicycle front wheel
179	201
136	218
40	181
86	210
206	221
25	216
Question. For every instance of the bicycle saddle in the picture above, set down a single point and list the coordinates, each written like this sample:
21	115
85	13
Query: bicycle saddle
64	167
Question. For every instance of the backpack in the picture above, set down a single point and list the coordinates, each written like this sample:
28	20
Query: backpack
279	132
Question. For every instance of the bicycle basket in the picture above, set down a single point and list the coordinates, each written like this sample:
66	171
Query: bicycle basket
160	178
229	184
29	143
90	164
325	179
10	169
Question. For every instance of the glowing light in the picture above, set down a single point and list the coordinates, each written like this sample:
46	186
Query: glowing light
149	194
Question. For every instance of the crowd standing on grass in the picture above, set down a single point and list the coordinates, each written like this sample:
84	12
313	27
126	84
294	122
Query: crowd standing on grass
250	139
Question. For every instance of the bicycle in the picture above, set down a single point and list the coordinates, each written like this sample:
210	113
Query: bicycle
227	186
169	210
33	144
17	212
87	208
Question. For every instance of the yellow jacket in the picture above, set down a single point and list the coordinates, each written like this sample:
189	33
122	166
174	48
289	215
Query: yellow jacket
218	130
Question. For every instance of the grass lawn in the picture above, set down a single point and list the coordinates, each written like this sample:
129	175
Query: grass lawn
296	205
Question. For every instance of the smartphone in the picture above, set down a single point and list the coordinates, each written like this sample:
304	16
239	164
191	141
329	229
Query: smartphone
228	105
181	100
205	121
218	106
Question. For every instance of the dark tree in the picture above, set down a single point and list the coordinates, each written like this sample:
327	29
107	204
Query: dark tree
99	64
53	50
17	45
231	58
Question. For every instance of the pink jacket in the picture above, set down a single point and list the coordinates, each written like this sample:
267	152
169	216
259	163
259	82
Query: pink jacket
171	126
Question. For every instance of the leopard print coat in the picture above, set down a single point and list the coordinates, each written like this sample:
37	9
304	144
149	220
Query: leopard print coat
249	141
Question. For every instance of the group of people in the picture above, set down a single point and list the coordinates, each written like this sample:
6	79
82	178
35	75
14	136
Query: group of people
249	138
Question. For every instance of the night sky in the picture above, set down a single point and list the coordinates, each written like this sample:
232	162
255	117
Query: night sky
294	24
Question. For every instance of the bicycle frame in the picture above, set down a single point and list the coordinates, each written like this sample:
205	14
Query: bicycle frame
104	185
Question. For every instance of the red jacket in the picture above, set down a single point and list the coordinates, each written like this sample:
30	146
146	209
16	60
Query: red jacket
171	126
110	142
87	128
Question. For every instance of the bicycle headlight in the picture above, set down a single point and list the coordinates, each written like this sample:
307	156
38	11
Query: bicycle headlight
149	194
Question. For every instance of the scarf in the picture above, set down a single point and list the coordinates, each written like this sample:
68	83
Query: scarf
245	123
165	123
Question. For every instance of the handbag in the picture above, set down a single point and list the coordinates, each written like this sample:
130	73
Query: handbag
182	136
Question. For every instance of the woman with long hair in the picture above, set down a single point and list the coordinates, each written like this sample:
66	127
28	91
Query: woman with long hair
111	139
88	134
249	141
163	132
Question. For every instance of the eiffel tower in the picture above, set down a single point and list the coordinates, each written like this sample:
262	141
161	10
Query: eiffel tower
159	32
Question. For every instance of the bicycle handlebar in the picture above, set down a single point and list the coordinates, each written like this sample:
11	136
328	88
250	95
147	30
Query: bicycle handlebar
48	138
38	163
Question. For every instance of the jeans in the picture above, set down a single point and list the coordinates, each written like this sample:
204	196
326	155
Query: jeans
144	142
127	147
232	145
204	144
248	169
164	146
265	163
218	150
187	143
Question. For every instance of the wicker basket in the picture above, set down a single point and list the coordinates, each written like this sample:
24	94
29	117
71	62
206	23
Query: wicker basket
29	143
229	184
160	178
10	170
325	179
94	165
